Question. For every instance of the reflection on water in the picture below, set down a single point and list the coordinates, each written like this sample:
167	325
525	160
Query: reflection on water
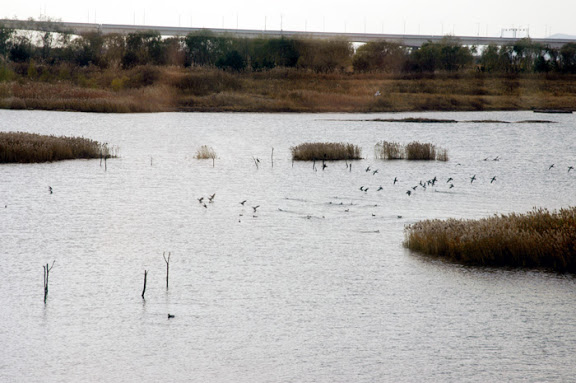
312	286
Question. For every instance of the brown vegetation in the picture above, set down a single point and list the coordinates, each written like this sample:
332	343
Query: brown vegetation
319	151
206	153
413	151
538	239
158	89
30	147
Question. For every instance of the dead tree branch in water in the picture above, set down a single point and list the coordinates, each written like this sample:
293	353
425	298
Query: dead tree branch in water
47	269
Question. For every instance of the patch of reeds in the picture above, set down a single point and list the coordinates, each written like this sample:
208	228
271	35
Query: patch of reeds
206	152
22	147
389	151
413	151
328	151
537	239
420	151
170	88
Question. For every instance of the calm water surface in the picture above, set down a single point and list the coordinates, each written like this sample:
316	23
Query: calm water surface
314	286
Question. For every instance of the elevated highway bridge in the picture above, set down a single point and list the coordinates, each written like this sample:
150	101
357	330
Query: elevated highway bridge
402	39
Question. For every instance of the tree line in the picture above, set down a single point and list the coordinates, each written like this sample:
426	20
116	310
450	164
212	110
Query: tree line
205	48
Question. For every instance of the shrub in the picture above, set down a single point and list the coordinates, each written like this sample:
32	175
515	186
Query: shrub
538	239
316	151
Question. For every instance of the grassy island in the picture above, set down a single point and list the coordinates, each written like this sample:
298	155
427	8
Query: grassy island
29	147
537	239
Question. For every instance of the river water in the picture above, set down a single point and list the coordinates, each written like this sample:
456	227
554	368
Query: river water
312	286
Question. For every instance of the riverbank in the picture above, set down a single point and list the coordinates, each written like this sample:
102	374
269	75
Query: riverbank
162	89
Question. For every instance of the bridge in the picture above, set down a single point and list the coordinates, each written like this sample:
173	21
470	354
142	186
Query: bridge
402	39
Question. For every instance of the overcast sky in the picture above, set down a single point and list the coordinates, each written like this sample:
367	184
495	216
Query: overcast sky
434	17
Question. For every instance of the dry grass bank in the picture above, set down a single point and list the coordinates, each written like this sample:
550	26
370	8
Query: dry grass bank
29	147
154	89
538	239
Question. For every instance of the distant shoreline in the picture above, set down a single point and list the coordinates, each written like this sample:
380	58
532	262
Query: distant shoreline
171	89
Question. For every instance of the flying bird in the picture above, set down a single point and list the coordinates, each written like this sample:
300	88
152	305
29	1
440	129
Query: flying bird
200	199
367	169
450	179
211	198
380	188
50	189
493	179
551	166
243	202
570	168
473	178
409	192
395	180
374	172
255	208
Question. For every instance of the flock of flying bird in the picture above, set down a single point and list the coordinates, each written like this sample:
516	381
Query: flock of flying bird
422	185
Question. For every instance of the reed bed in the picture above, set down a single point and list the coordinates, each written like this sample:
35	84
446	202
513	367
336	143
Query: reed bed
206	152
160	89
413	151
329	151
537	239
390	151
22	147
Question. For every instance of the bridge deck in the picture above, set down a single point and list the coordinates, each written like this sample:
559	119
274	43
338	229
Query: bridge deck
405	40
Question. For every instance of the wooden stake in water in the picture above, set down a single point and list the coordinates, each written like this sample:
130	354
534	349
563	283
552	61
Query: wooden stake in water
47	269
144	289
167	260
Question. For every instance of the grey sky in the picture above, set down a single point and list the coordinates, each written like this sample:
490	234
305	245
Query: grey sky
487	17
